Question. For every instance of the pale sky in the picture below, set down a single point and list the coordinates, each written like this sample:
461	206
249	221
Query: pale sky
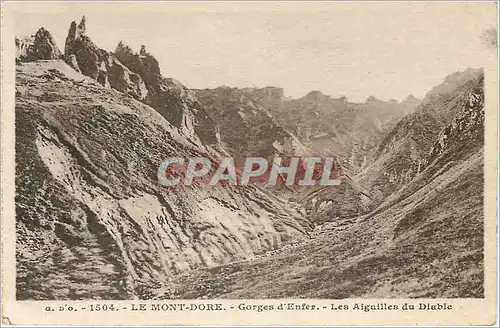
385	49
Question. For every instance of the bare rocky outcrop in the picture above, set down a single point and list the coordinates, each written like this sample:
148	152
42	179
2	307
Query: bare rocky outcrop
411	101
169	97
40	46
404	152
143	64
84	56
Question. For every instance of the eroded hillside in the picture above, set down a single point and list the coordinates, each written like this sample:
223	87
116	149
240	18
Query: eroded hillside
92	220
335	126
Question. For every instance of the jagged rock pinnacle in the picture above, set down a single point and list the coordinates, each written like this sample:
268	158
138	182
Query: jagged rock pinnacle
40	46
81	26
72	30
86	57
141	63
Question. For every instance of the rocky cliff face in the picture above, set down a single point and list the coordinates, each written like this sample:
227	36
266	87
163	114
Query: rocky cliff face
405	150
40	46
334	126
169	97
84	56
91	214
141	63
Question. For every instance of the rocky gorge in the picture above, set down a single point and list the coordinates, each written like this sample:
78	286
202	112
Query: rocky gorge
92	222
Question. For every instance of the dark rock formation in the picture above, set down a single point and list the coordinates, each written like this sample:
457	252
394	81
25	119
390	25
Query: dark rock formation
40	46
169	97
411	98
138	75
84	56
143	64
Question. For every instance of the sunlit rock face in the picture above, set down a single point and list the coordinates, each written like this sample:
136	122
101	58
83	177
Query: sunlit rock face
169	97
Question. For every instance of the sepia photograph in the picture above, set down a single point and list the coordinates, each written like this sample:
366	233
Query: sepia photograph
252	151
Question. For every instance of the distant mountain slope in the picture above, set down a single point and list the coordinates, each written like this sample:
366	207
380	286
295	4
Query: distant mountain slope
135	74
246	127
334	126
424	241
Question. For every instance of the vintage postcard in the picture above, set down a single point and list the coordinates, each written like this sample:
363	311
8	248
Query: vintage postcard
249	163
